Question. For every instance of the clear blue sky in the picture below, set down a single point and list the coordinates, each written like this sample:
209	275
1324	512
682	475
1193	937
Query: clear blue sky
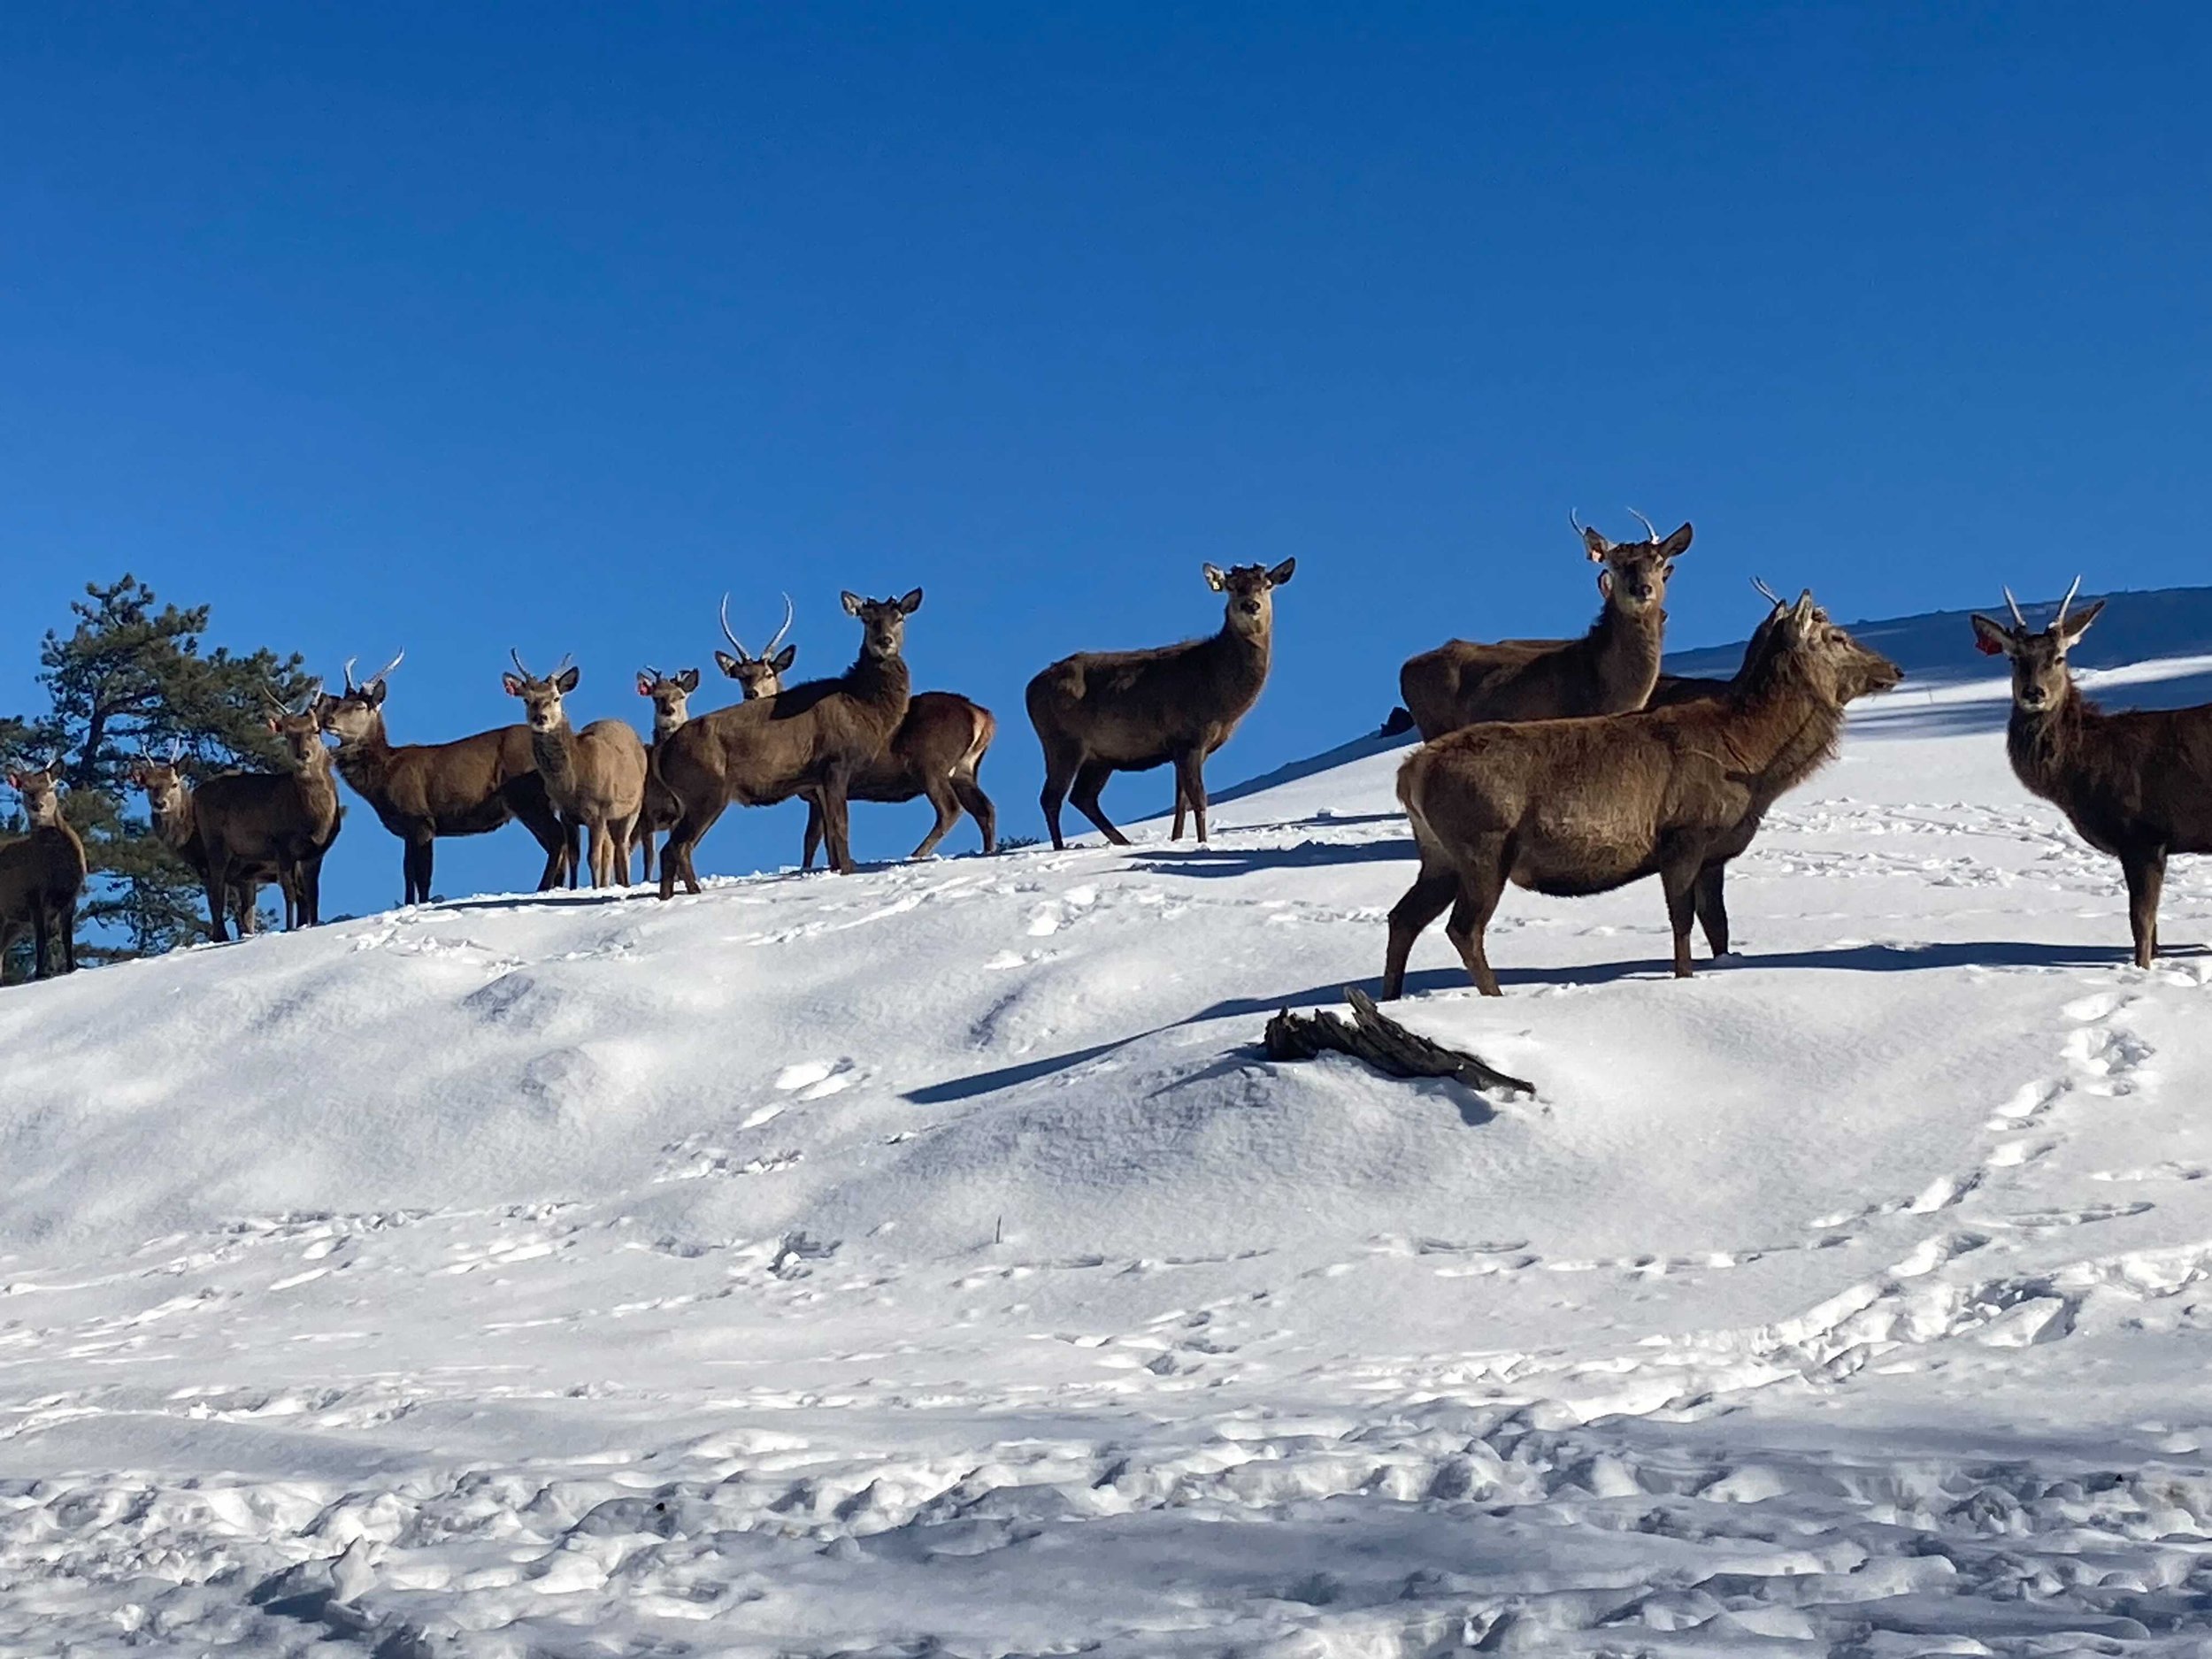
455	327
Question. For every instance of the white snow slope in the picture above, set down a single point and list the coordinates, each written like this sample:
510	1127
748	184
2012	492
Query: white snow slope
924	1262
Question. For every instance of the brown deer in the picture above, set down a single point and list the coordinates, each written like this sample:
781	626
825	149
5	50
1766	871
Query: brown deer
250	822
934	753
1580	806
421	791
1610	670
2136	785
42	872
809	740
169	810
1101	712
595	778
670	696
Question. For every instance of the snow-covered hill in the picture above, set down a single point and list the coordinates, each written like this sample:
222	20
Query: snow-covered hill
925	1262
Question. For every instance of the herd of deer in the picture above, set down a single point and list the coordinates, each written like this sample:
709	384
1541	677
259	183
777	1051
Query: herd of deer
1565	766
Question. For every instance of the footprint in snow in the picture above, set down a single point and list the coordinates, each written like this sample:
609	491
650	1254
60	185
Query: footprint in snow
816	1080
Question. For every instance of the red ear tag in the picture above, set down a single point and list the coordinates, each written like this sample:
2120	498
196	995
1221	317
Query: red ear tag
1988	648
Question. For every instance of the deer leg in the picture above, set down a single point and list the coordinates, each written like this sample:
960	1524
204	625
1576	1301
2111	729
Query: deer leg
1190	785
837	821
41	937
1679	882
309	881
2146	875
421	855
940	796
1090	778
1481	884
1061	765
1433	890
645	847
676	856
812	844
1712	908
219	900
980	809
65	924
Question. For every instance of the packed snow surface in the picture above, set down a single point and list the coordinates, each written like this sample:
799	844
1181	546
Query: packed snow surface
925	1262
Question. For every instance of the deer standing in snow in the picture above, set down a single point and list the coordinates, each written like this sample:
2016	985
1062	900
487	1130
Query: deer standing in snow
2136	784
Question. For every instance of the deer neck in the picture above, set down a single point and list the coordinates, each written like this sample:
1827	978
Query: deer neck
1626	650
555	751
667	725
319	794
1780	730
1240	660
365	761
2040	741
61	836
882	682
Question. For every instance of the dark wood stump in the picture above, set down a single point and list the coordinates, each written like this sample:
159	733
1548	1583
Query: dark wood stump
1374	1037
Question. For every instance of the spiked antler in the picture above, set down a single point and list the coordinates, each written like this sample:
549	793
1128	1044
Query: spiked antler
2064	603
1767	593
2018	621
780	632
1651	534
736	644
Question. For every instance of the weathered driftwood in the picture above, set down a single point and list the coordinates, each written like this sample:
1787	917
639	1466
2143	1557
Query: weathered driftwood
1382	1043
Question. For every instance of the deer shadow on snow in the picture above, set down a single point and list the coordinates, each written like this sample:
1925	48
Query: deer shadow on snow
1214	862
1868	959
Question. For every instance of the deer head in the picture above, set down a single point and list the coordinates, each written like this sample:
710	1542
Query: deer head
162	780
671	695
42	793
882	621
298	725
2040	678
1837	667
1634	577
357	713
542	698
760	676
1251	591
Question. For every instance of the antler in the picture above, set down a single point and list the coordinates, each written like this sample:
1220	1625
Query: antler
521	667
2019	620
1651	534
736	643
1767	593
770	651
2069	599
372	679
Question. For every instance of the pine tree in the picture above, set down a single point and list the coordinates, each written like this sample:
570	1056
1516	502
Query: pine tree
131	678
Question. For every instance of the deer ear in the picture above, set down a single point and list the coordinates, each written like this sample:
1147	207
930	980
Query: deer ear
1282	572
376	694
727	664
689	681
1605	582
272	723
911	603
1992	638
785	658
853	602
565	683
1215	580
1596	545
2078	624
1675	545
513	686
644	685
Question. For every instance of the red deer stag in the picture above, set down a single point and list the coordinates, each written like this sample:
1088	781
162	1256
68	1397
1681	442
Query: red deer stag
595	778
421	791
670	696
250	823
2136	785
1610	670
1582	806
1101	712
41	874
811	740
